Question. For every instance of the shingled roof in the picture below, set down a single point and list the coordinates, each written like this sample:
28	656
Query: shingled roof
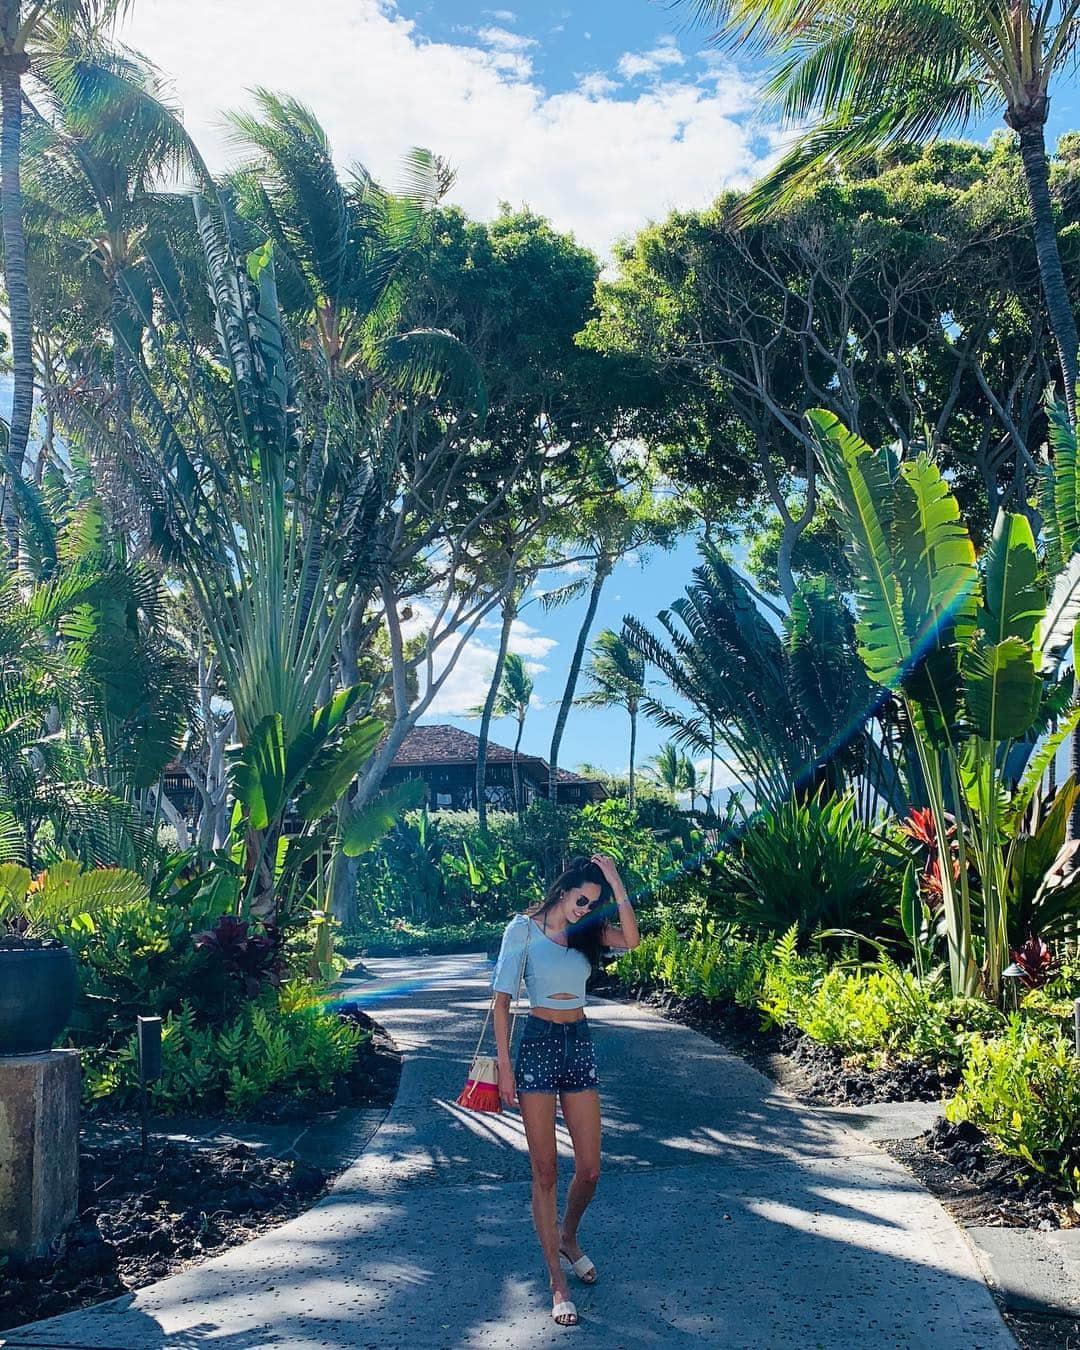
444	744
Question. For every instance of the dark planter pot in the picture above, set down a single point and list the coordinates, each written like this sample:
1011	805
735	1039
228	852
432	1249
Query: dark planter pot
37	993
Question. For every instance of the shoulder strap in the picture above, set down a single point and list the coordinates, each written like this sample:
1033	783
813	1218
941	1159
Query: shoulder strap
517	996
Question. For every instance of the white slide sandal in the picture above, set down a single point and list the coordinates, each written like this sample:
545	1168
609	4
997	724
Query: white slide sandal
583	1268
565	1309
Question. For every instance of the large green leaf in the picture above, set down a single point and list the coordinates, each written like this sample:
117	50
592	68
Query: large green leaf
1003	689
364	828
1014	598
258	772
324	723
336	766
860	483
939	586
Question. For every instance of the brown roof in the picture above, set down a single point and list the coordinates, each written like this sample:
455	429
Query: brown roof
444	744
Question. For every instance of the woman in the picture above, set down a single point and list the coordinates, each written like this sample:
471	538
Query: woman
560	942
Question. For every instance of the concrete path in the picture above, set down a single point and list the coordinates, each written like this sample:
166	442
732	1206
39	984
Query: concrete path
728	1215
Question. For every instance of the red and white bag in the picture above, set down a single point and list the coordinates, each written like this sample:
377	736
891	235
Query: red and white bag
481	1090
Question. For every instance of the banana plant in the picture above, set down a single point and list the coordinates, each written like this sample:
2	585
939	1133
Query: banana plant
973	648
286	790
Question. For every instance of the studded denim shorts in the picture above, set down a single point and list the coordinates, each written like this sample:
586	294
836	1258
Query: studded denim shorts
555	1057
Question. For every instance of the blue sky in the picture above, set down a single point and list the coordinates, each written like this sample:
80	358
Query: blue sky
601	115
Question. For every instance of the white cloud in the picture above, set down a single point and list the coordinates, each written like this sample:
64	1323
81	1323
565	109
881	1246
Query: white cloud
665	53
379	86
503	15
467	684
596	85
503	38
526	641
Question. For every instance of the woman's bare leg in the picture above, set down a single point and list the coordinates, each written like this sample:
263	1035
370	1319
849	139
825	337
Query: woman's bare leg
538	1113
581	1111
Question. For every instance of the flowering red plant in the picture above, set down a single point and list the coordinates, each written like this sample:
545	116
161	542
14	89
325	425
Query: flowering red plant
919	827
1037	963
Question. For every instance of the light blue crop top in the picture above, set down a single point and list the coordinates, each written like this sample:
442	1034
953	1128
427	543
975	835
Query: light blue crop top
550	968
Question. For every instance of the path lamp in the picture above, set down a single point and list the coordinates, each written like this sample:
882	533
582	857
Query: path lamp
148	1038
1013	975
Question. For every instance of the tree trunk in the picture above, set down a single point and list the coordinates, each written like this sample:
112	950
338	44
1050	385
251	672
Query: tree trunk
632	794
789	537
514	764
509	610
121	356
18	289
603	571
344	873
1030	127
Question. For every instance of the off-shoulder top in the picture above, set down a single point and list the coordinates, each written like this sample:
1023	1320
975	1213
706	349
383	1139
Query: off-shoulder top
550	968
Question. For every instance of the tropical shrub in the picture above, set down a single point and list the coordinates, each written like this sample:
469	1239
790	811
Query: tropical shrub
788	708
284	1042
810	863
887	1010
714	963
63	898
1023	1090
439	869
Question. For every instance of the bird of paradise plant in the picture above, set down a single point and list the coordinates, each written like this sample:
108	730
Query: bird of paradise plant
973	648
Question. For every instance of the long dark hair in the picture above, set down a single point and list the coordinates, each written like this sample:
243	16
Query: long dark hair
584	936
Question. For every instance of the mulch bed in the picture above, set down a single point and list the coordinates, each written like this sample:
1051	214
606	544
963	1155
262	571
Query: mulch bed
977	1185
138	1223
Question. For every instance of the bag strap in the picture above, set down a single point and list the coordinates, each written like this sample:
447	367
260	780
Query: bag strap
517	996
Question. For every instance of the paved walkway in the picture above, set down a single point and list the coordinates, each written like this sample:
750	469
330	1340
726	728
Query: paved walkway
728	1215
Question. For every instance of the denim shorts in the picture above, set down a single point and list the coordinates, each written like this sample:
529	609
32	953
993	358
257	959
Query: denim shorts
555	1057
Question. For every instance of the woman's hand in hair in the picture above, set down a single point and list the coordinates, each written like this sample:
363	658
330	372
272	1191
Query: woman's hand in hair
607	866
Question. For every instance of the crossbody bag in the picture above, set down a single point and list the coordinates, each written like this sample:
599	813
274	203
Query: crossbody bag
481	1090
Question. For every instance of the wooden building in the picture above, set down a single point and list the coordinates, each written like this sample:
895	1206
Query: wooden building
445	758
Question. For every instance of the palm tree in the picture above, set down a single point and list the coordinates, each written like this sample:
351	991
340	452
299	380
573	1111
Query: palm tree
509	694
691	781
27	33
617	675
341	250
665	768
673	769
515	695
111	141
873	72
